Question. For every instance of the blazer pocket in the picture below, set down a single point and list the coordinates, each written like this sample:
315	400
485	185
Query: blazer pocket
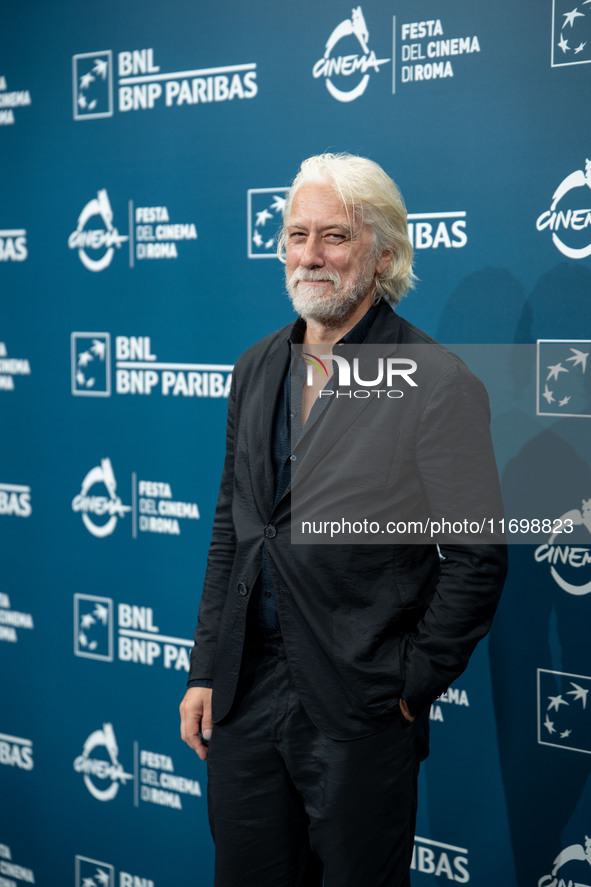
369	460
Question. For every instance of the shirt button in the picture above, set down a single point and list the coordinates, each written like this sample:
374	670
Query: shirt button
242	589
270	531
293	458
293	414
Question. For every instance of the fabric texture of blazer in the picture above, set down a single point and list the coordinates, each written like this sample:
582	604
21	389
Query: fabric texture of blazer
362	622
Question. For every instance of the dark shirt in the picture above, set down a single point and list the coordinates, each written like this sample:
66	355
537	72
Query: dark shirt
287	431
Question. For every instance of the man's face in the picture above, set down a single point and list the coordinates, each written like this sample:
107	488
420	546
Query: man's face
330	260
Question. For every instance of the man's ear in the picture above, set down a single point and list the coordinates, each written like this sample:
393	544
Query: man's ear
384	260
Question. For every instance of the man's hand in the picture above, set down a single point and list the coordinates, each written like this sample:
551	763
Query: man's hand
196	719
405	711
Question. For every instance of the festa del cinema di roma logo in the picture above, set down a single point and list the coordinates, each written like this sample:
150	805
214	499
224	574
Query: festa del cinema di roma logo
102	777
154	778
104	239
570	557
356	65
154	508
576	856
93	506
569	216
152	234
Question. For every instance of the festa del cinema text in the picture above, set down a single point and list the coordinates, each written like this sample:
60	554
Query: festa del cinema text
423	61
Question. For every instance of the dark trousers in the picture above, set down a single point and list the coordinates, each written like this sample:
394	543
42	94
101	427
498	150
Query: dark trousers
289	806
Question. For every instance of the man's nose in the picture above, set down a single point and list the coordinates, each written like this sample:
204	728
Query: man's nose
312	255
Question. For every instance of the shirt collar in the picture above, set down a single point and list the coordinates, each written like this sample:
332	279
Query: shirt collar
355	336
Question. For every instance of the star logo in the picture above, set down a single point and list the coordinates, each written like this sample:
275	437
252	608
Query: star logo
579	693
92	85
579	358
555	702
265	208
93	627
262	217
564	719
563	378
571	33
555	370
92	873
569	17
91	364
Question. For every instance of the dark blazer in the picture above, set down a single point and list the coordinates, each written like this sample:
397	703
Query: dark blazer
362	622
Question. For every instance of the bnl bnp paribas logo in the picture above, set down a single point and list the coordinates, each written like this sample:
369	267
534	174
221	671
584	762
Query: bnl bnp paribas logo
15	500
348	63
563	378
137	370
265	208
571	33
138	639
141	85
13	244
569	216
564	712
95	873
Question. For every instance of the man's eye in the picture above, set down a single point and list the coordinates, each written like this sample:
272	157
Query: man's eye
297	235
335	238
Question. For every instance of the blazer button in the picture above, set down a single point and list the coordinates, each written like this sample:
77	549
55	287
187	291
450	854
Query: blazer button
242	589
270	531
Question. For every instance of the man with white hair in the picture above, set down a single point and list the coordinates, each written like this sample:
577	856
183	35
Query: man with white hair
315	665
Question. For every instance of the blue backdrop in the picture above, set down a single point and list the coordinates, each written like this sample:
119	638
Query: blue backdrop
146	150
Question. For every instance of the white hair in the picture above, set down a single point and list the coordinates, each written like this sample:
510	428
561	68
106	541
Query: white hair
369	196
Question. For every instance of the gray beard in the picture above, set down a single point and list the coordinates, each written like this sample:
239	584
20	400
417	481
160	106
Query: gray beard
331	308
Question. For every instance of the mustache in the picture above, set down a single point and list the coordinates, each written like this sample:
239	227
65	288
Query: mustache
304	274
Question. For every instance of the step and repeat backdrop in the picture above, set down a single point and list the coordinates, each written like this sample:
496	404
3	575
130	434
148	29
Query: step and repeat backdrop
146	152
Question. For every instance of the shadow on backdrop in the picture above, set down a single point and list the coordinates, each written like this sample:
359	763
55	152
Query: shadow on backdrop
545	471
545	612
